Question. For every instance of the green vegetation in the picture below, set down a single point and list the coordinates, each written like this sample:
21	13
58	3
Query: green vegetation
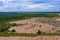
20	16
13	31
17	34
4	27
6	34
14	24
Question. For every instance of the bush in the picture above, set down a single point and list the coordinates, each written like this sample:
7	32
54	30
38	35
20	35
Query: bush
4	28
14	24
40	26
39	32
13	30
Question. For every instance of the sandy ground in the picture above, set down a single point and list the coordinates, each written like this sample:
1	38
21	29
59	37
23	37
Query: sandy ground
32	38
58	19
32	26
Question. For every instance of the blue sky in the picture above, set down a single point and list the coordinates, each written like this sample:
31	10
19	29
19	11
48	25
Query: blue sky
29	5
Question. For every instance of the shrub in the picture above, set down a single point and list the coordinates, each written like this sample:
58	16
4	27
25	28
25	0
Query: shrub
4	28
40	26
39	32
14	24
13	30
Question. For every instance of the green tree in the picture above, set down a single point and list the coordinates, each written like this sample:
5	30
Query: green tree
4	28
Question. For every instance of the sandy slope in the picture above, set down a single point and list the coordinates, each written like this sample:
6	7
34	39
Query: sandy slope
32	38
32	26
47	38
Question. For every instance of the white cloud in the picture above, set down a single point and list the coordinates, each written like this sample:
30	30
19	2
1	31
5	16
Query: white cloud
39	6
26	5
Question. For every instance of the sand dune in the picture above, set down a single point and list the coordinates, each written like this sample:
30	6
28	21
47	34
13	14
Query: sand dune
33	25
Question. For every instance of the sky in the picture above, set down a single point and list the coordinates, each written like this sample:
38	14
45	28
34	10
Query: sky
29	5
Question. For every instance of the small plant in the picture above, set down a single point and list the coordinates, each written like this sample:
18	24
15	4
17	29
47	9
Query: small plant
39	32
13	30
53	28
40	26
14	24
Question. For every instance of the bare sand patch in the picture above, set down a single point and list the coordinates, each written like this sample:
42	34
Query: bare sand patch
58	19
31	38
